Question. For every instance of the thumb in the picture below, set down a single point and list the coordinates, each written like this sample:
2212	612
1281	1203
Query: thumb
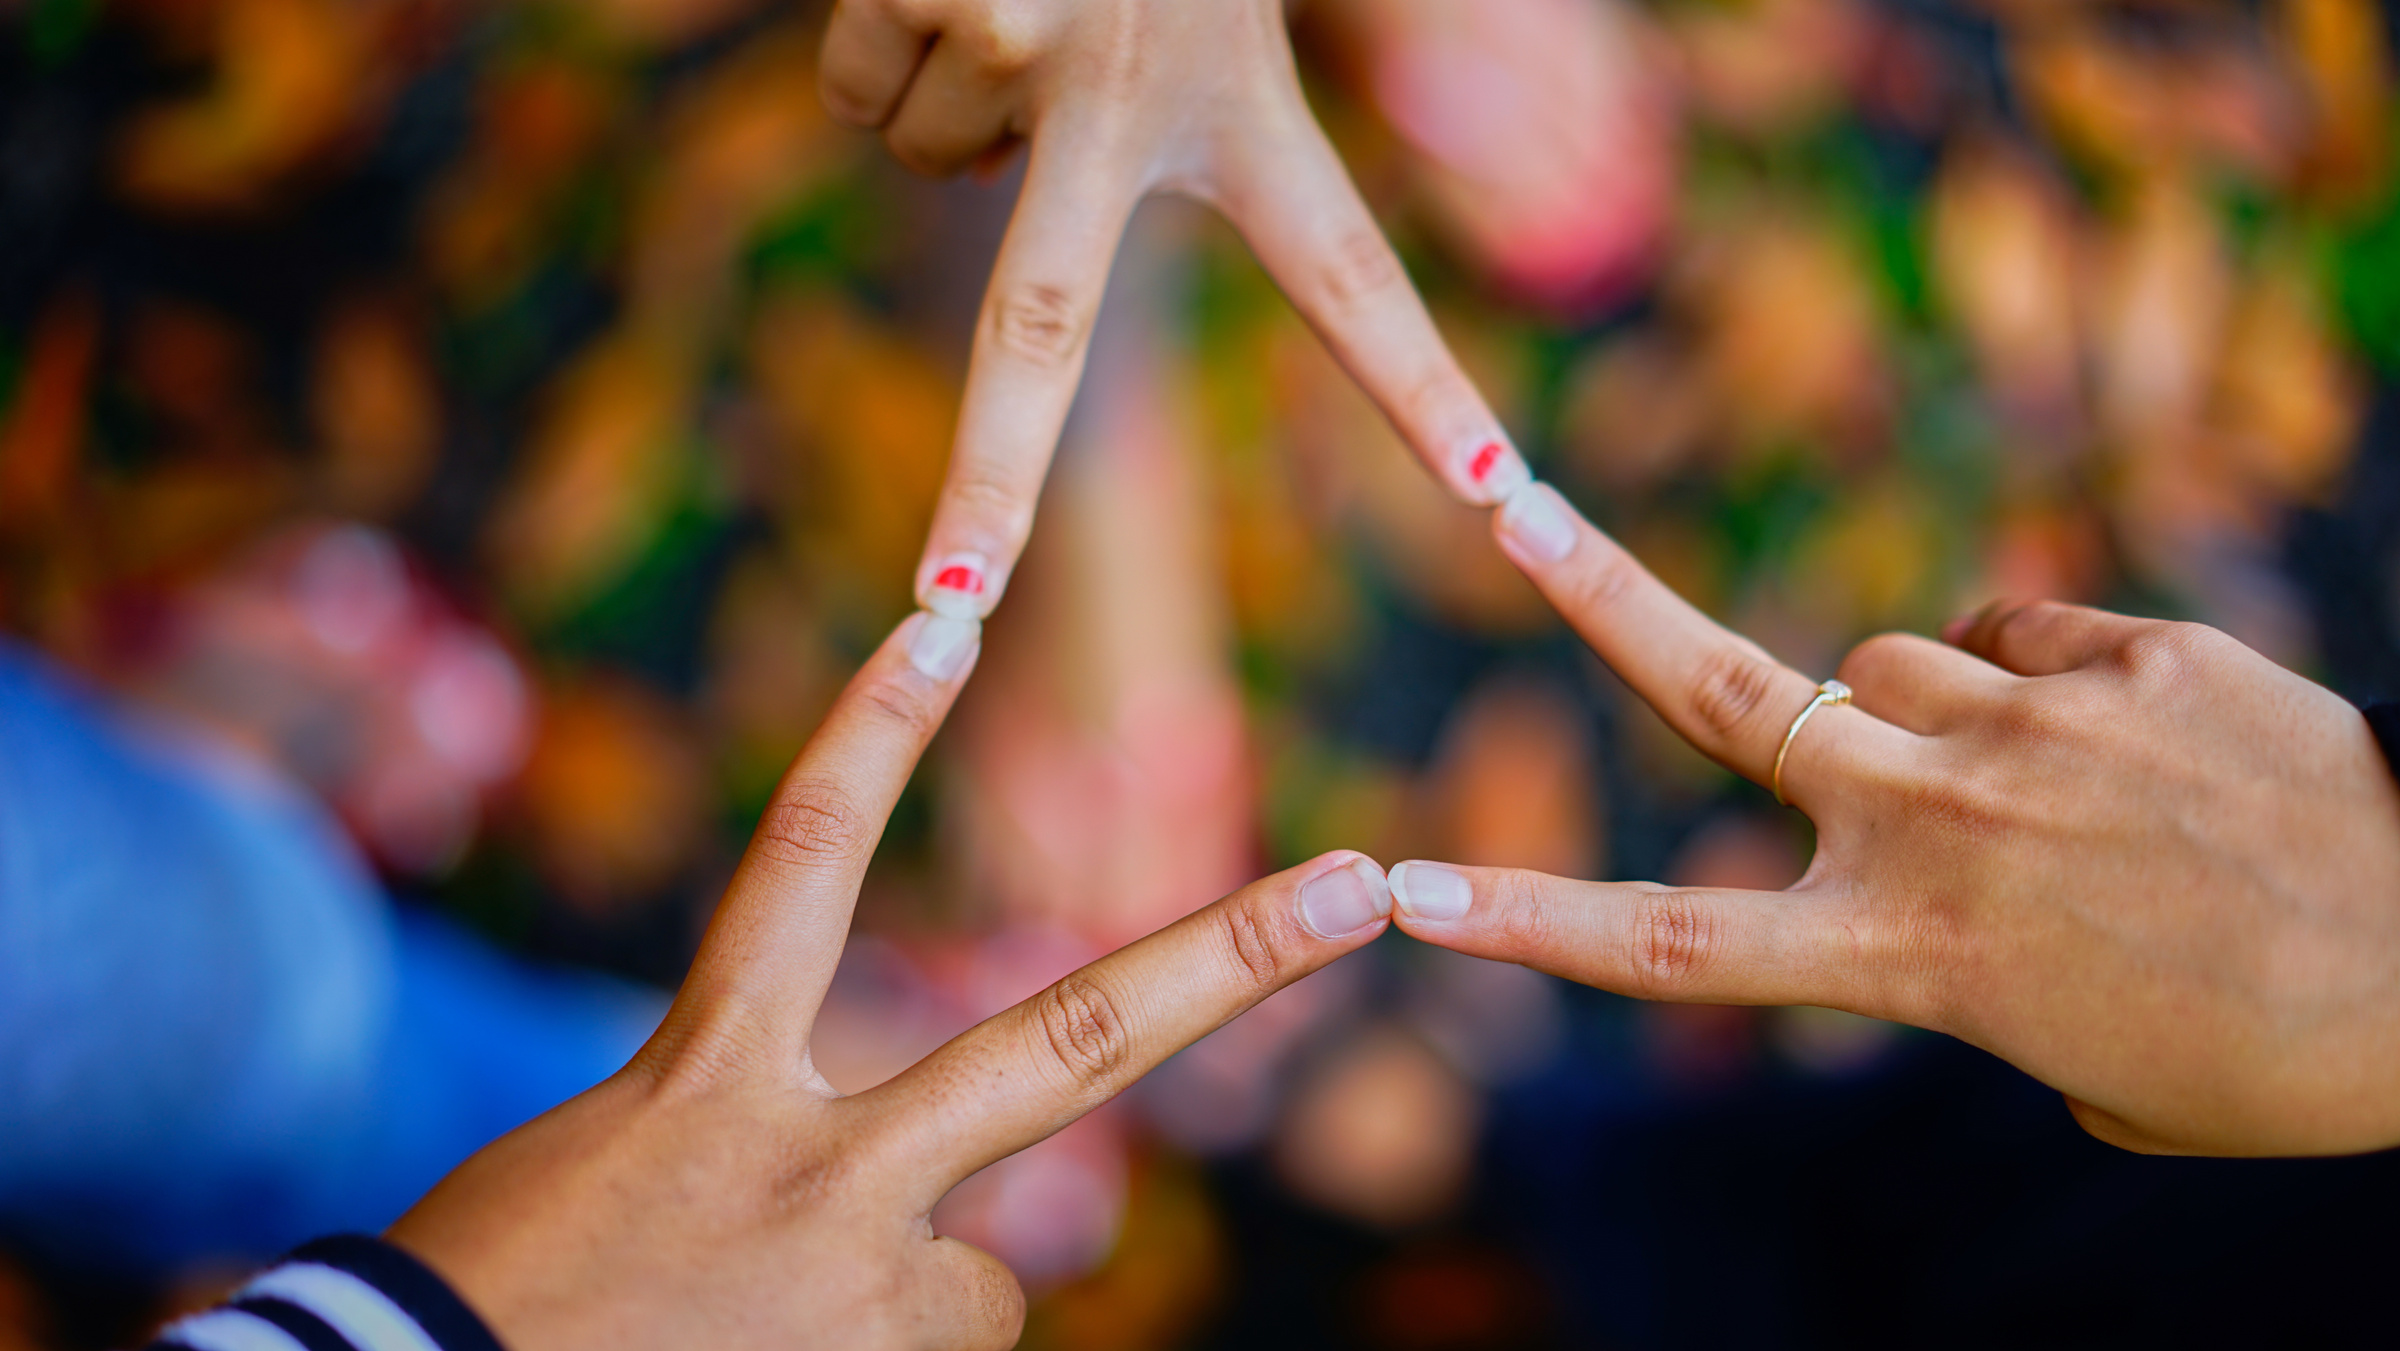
1692	945
2109	1128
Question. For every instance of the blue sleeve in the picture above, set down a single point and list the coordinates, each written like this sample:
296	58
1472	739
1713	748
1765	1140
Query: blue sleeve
196	979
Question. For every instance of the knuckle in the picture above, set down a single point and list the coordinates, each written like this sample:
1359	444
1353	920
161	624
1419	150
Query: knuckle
1245	938
1731	690
2032	612
1875	658
2167	654
1969	803
846	100
1085	1031
1673	940
1914	964
811	823
997	503
1038	323
2011	627
1597	588
2040	712
1004	44
904	709
1359	266
1124	46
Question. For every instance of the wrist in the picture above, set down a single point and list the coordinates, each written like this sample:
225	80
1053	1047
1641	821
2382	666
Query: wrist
349	1291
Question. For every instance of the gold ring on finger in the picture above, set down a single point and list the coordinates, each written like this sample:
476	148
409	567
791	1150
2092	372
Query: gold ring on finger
1829	693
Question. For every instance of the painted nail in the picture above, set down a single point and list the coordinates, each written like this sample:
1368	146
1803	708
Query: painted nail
1538	519
1496	470
1346	900
959	584
942	646
1431	891
1957	629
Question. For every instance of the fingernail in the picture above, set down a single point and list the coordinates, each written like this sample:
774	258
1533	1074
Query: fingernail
942	646
1431	891
1496	470
1346	900
1956	630
1536	517
959	583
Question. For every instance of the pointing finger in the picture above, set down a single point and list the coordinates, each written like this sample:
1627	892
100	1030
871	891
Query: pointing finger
1682	944
1030	344
1287	192
771	949
1023	1074
1715	687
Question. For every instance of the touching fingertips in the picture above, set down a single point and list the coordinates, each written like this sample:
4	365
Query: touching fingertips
1539	523
1431	891
942	646
1493	469
961	587
1346	900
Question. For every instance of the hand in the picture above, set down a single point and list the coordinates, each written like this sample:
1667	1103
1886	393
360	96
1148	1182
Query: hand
1121	98
2134	858
717	1192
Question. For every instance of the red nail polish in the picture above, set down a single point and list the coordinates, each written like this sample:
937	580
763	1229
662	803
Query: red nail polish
959	583
1480	467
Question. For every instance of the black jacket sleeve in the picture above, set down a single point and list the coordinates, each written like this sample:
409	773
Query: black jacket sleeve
350	1293
2383	718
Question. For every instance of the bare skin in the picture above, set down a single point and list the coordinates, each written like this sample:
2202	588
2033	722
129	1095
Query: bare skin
2134	858
1118	99
718	1192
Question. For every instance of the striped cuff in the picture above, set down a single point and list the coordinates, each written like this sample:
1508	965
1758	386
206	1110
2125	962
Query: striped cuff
350	1293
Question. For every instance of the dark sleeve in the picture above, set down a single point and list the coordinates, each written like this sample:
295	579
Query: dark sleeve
2383	718
350	1293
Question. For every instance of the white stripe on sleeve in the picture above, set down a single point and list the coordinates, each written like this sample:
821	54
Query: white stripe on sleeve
229	1330
355	1309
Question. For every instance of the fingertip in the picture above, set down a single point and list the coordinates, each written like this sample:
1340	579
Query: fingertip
940	648
1536	526
1424	892
960	585
1342	895
1491	469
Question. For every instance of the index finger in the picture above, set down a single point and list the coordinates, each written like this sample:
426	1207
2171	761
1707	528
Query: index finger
1719	690
1026	1072
770	951
1030	342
